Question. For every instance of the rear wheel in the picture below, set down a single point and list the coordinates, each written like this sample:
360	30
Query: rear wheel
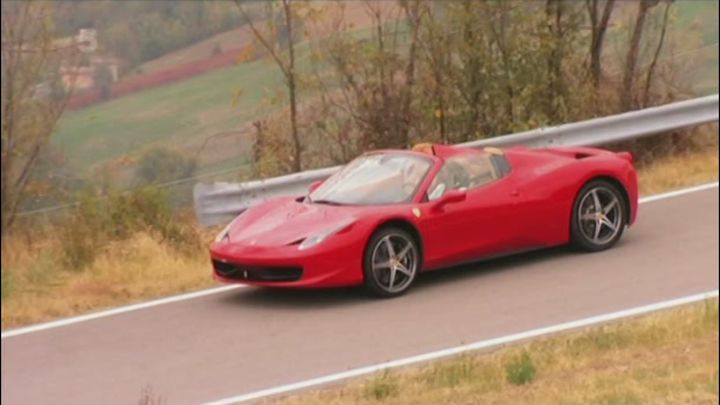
599	216
391	262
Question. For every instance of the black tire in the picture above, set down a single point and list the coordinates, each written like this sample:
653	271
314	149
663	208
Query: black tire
378	278
586	218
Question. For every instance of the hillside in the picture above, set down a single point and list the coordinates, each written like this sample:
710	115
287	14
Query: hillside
224	41
184	115
200	112
241	37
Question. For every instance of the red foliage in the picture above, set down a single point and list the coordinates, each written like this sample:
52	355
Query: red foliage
159	78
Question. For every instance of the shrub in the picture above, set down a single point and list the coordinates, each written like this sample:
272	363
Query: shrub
160	165
149	210
97	221
382	387
520	370
82	234
103	81
79	244
138	210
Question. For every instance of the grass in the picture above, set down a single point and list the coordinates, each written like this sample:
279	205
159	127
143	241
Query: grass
137	269
679	170
663	358
182	114
35	288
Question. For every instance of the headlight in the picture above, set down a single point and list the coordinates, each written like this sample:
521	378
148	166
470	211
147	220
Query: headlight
225	232
313	240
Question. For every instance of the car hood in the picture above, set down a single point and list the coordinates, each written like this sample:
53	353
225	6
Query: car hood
287	221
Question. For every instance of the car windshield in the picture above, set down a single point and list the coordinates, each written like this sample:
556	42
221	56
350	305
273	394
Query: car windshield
379	178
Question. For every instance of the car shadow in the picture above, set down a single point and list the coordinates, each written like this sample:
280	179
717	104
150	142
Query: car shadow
302	299
486	267
298	299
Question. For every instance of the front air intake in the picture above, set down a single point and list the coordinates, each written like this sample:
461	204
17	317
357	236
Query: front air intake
240	272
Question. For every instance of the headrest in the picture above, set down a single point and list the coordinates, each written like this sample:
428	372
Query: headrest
493	151
424	148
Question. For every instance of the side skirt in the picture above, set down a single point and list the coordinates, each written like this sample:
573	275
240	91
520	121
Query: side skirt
489	257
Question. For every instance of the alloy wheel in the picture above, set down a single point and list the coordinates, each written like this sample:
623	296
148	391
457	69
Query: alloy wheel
394	262
600	215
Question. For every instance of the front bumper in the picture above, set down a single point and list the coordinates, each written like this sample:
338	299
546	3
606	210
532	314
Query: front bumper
326	265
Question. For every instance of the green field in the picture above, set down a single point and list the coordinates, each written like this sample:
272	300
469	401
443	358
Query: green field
179	115
184	114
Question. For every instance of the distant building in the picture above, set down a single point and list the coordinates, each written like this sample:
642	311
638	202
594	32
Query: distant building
83	76
78	77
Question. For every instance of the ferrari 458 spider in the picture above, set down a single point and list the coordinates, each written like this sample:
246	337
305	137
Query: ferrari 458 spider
390	214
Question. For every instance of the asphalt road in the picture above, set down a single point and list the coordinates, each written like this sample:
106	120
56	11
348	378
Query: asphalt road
247	339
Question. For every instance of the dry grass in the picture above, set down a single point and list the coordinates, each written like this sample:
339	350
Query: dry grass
664	358
36	288
39	288
679	170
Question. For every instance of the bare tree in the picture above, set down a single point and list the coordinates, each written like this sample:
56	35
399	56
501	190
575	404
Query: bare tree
373	80
656	55
33	97
413	12
286	65
554	10
469	80
434	43
626	92
597	35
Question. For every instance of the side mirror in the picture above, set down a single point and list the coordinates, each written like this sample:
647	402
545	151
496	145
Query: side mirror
452	196
314	185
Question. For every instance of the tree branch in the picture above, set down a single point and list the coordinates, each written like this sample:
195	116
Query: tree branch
265	43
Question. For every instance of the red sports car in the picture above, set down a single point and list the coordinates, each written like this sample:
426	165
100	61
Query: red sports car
390	214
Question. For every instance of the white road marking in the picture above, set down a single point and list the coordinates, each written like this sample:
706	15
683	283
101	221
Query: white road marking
676	193
119	310
182	297
484	344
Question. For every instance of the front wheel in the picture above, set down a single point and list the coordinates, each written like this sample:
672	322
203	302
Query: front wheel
599	216
391	262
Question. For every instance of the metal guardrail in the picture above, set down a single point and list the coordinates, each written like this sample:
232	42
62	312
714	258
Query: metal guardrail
220	202
613	128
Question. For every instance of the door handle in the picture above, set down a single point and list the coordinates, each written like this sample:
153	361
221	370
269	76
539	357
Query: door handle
514	193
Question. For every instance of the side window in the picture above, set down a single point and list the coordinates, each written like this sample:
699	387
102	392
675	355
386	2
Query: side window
440	184
465	171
